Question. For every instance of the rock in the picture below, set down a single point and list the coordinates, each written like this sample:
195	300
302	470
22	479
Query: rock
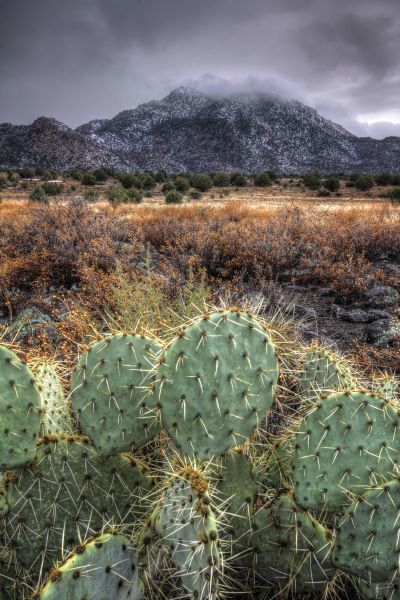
326	292
28	324
382	333
304	312
383	295
359	315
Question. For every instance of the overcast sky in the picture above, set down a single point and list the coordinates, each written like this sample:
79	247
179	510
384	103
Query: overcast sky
82	59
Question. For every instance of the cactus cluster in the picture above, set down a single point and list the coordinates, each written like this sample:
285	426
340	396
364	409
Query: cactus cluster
147	481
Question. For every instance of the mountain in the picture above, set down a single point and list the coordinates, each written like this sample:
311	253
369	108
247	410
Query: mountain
191	131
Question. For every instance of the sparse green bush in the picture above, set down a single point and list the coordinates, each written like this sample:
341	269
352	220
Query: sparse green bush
27	173
196	195
160	176
262	180
52	189
272	175
395	179
88	179
129	180
364	183
221	179
91	195
332	184
238	180
182	184
148	182
117	195
312	180
323	193
168	186
3	183
383	179
201	182
100	175
75	174
394	194
174	197
134	195
38	195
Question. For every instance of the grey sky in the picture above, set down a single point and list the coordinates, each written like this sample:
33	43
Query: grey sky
82	59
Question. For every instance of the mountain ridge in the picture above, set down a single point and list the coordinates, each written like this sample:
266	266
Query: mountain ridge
189	130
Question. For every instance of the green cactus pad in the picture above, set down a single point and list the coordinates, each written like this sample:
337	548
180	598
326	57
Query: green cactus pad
289	548
71	493
236	491
387	386
109	395
278	470
367	540
187	526
103	569
324	372
344	443
19	411
388	590
55	415
216	383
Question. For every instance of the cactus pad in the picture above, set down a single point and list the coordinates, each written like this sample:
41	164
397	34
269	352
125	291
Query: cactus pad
103	569
367	540
216	382
19	411
187	526
289	548
324	372
71	492
108	392
55	415
346	441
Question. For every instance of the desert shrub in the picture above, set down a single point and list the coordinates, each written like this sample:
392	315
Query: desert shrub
221	179
39	171
182	184
383	179
323	193
117	195
38	194
88	179
201	182
394	194
272	175
262	180
75	174
3	183
349	184
13	178
100	175
134	195
168	186
238	180
27	172
129	180
196	195
91	195
312	180
147	181
52	189
160	176
332	184
173	197
396	179
364	182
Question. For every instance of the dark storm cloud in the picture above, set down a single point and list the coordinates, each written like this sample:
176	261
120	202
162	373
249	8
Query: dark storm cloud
83	59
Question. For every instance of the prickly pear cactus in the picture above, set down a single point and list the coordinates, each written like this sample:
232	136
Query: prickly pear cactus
19	410
55	414
71	491
236	489
278	469
367	539
346	442
187	525
103	569
386	386
324	372
388	590
289	549
216	382
109	392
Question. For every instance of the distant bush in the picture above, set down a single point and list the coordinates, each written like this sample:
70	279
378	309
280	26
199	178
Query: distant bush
323	193
201	182
384	179
182	184
395	179
75	174
117	195
238	180
13	178
394	194
3	183
91	195
147	181
262	180
52	189
160	176
221	179
312	180
148	193
332	184
272	175
168	186
38	195
136	196
196	195
349	184
129	180
364	182
27	173
100	175
173	197
49	174
88	179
